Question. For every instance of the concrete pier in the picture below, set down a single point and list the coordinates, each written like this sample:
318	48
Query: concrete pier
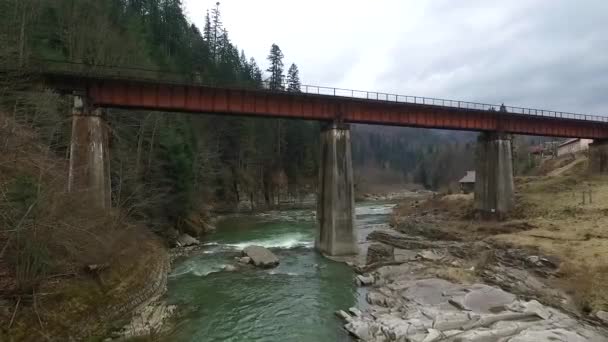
494	186
336	196
89	170
598	157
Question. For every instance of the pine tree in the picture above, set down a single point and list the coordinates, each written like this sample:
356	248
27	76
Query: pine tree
293	79
216	30
207	29
256	72
244	65
275	82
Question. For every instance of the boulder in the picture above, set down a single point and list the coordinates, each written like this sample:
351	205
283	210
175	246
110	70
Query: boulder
603	316
363	280
359	329
245	260
229	268
343	315
378	252
261	257
375	298
186	240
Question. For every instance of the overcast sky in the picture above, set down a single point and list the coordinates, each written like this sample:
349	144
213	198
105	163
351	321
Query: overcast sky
550	54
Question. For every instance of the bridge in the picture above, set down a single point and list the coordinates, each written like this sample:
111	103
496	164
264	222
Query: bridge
494	188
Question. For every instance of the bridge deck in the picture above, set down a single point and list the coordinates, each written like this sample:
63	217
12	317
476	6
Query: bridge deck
326	104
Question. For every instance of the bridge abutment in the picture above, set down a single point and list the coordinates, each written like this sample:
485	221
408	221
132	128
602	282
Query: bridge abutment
89	169
336	196
598	157
494	185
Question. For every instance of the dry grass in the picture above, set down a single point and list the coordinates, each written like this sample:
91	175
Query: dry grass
455	205
48	237
455	274
574	232
550	217
586	285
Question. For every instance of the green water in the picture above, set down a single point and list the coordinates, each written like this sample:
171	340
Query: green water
294	302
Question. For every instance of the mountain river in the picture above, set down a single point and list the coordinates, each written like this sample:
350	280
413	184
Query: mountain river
295	301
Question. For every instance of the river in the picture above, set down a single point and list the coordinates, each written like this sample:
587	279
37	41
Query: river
294	302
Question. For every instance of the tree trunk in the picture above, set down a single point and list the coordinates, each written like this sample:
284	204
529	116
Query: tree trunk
150	153
22	38
140	142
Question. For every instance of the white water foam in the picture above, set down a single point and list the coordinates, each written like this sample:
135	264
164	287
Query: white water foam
382	209
197	268
287	241
293	274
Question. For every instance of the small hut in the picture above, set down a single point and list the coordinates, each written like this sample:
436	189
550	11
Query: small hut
467	183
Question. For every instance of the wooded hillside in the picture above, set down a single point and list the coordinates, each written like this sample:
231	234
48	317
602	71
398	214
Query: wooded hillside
165	167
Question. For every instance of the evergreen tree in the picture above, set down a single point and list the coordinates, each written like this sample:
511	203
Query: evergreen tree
256	72
275	82
293	79
216	30
207	28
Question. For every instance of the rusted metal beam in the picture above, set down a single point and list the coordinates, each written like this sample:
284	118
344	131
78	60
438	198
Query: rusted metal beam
227	101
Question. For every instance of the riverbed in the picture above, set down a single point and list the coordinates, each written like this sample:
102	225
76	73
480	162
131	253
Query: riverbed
294	302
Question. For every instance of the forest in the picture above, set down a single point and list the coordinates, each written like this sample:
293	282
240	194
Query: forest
164	167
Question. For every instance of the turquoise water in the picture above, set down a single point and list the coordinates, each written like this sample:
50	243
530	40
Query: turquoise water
295	301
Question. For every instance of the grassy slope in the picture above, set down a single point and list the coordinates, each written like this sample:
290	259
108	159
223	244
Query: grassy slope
565	227
549	216
65	301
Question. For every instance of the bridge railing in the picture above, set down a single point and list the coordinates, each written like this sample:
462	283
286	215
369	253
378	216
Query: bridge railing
387	97
142	74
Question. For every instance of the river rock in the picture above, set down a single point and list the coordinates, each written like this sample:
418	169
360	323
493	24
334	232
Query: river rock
376	298
363	280
482	298
343	315
245	260
421	310
261	257
377	252
360	330
229	268
602	316
186	240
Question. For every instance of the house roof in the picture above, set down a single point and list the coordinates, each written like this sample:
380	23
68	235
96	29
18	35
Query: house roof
569	141
468	178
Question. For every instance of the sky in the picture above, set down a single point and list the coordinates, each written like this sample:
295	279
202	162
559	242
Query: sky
549	54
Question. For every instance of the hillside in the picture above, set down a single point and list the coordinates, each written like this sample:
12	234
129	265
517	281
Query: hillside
552	219
65	270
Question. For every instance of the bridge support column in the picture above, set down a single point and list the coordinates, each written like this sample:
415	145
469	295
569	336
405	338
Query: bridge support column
336	195
598	157
494	186
89	170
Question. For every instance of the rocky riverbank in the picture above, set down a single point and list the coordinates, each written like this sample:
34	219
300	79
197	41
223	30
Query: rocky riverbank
426	290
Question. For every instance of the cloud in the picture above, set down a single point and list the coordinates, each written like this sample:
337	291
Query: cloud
533	53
